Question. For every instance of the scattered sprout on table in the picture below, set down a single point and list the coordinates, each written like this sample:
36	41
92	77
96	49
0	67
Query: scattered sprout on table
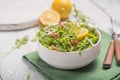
18	44
28	76
34	39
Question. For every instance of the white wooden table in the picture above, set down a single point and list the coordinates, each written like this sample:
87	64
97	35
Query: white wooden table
13	66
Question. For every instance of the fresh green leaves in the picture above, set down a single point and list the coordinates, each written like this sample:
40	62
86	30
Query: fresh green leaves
75	11
20	42
79	16
66	40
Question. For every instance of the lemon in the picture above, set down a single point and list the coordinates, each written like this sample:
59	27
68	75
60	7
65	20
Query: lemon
81	33
50	17
63	7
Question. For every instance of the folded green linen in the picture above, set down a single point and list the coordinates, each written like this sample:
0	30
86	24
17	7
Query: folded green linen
93	71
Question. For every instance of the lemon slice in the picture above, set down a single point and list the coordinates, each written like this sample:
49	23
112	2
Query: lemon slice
50	17
81	33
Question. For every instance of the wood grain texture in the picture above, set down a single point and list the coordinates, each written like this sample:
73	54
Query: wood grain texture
117	50
109	55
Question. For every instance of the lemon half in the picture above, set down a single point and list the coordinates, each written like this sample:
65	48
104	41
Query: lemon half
50	17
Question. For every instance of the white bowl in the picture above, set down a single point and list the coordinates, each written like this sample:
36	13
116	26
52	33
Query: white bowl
69	60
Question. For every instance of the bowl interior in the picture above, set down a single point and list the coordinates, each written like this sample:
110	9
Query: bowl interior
97	32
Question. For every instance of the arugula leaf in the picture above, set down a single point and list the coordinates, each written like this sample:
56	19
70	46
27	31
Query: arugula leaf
20	42
28	76
76	11
79	16
24	40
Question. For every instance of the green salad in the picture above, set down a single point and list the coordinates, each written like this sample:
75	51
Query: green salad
67	37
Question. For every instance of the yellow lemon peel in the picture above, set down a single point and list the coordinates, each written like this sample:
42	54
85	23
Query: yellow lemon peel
63	7
50	17
81	33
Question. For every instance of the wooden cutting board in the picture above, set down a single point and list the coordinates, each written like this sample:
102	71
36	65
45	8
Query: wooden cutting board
21	14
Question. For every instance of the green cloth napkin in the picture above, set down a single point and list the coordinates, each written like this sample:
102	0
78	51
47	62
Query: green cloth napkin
93	71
